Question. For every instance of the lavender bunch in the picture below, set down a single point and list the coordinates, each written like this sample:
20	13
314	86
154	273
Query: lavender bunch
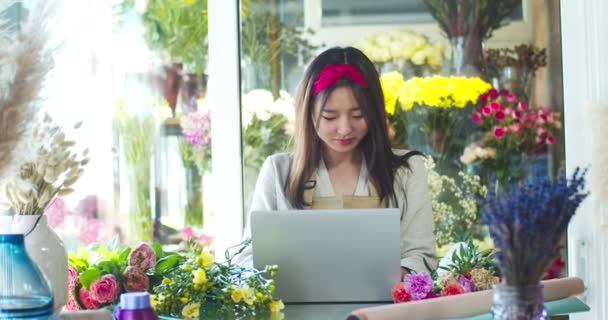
527	223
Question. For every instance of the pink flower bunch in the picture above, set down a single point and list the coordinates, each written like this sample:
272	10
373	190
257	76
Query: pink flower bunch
196	128
511	124
199	239
106	289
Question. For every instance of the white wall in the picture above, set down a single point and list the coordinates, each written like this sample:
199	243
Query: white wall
584	45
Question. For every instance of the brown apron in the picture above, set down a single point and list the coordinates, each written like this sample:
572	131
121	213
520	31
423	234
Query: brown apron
341	202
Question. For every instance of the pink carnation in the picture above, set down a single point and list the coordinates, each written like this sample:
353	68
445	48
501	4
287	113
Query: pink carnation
142	257
105	289
476	117
418	285
72	278
87	300
135	280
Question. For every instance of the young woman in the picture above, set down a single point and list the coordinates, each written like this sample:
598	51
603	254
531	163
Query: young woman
342	157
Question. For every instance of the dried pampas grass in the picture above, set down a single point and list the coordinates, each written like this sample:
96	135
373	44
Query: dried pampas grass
25	60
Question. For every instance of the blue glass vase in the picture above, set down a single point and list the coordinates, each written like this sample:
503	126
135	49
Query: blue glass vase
24	292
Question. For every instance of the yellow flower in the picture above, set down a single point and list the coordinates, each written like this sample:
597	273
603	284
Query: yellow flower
186	267
205	259
191	311
441	92
184	300
199	276
153	301
391	84
276	305
237	295
166	281
244	293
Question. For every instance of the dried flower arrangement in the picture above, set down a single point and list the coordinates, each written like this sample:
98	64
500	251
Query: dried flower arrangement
51	173
25	60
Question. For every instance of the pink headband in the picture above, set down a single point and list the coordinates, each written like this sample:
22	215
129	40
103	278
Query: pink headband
334	72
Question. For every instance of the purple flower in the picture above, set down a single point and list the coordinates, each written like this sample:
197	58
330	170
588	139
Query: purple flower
418	285
466	284
196	128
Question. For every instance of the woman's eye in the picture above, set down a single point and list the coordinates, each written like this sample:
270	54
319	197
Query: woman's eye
357	116
329	118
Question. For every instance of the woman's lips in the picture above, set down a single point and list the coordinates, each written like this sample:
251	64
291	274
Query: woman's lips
344	142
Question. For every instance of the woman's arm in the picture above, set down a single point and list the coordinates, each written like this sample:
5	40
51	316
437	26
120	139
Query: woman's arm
417	225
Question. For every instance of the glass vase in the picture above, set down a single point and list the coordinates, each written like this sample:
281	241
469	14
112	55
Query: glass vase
47	250
518	303
140	208
466	56
193	210
24	292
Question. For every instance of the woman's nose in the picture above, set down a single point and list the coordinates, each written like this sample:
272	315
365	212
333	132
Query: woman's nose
345	126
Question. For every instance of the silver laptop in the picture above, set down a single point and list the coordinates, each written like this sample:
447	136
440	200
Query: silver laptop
349	255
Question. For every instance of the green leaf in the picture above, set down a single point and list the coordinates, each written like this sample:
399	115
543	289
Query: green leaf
167	262
158	249
87	277
124	255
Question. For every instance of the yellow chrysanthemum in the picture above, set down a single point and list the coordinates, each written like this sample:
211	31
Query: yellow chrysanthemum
276	306
166	281
391	85
441	92
191	311
244	293
237	295
205	259
199	276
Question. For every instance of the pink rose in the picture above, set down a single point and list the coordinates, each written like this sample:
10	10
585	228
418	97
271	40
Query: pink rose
136	280
105	289
476	117
499	115
87	300
522	105
72	278
205	240
486	110
550	140
493	93
508	110
72	305
511	97
541	129
515	127
499	132
516	114
142	257
484	97
495	106
187	233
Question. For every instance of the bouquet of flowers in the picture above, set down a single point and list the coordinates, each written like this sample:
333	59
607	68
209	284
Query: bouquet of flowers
527	223
53	172
435	109
469	270
404	46
190	285
455	203
196	149
511	130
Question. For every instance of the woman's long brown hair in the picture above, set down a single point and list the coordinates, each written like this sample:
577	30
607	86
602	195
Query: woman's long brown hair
382	163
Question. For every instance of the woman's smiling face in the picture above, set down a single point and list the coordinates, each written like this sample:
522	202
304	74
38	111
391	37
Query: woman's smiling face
341	124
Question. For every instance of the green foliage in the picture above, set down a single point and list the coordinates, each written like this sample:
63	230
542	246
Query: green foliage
176	28
262	138
468	256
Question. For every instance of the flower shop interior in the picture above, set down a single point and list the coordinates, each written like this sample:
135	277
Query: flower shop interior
132	133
